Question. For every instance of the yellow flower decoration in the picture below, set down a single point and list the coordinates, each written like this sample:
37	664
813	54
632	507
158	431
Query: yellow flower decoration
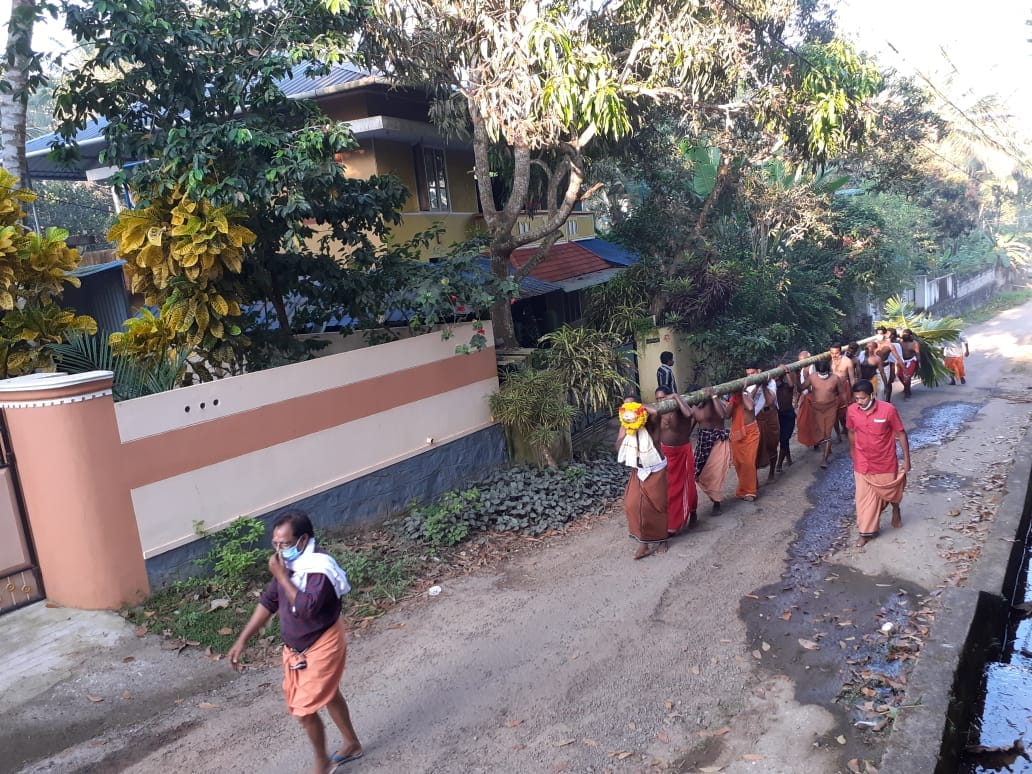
633	416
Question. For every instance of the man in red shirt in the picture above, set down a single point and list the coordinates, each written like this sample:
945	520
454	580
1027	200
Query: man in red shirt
874	430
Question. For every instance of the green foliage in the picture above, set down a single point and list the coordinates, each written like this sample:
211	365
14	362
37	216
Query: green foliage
620	307
587	362
81	207
446	521
236	554
533	402
194	89
378	578
134	376
521	499
34	269
824	109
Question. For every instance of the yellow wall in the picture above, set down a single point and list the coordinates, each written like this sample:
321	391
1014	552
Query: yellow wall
462	186
650	347
362	162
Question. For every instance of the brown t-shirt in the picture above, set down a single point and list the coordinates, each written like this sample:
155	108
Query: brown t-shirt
315	610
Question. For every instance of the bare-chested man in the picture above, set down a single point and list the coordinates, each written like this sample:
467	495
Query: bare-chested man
675	431
910	350
845	369
873	369
826	396
712	450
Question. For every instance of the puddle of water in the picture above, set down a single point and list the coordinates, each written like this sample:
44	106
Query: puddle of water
944	482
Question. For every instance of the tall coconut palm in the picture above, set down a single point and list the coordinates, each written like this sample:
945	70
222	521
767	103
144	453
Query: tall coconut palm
21	73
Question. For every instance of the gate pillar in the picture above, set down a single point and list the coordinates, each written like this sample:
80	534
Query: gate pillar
67	451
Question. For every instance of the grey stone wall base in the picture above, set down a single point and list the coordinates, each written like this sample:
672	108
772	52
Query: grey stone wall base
368	500
944	688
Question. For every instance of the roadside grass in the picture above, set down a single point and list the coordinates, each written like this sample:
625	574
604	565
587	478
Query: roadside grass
998	303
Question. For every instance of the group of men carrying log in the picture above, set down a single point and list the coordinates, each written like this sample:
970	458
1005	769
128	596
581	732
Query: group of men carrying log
845	392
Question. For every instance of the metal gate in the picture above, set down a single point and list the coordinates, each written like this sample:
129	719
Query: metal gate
20	580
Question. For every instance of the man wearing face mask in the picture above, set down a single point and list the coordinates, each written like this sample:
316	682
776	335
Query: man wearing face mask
305	591
874	430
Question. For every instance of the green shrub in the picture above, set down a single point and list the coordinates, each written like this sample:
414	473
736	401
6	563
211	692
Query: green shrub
237	555
523	499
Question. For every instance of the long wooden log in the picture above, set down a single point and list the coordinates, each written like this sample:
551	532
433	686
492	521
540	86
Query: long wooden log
698	396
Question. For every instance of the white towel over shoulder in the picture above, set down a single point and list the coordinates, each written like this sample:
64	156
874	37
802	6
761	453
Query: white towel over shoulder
311	562
639	451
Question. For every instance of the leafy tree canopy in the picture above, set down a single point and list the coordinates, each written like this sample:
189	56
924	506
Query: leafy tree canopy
197	117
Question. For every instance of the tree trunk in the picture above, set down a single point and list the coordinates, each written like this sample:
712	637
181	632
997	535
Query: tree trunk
501	309
19	61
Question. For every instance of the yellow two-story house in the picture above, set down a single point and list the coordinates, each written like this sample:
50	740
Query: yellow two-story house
395	137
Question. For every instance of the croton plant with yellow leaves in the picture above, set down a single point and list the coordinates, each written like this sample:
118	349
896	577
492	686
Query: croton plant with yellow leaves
180	254
34	268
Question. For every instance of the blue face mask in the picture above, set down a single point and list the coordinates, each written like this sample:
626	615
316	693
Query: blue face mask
292	553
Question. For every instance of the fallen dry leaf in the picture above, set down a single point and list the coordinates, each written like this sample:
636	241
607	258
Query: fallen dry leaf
590	742
696	670
126	695
751	596
565	742
786	616
840	739
95	699
765	646
140	631
854	766
663	737
216	604
208	705
621	755
514	723
809	644
718	732
225	631
668	704
711	769
752	757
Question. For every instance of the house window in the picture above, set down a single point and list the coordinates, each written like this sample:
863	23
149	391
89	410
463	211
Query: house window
571	228
432	179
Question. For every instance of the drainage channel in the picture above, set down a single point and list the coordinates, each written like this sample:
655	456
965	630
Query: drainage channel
995	739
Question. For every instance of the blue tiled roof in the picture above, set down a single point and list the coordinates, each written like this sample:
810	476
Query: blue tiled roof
610	252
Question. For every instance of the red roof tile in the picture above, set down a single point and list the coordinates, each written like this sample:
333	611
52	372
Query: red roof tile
564	260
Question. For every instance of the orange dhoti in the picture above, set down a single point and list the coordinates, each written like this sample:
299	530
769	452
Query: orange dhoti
682	497
713	473
310	689
824	416
956	366
804	421
874	491
645	504
745	443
